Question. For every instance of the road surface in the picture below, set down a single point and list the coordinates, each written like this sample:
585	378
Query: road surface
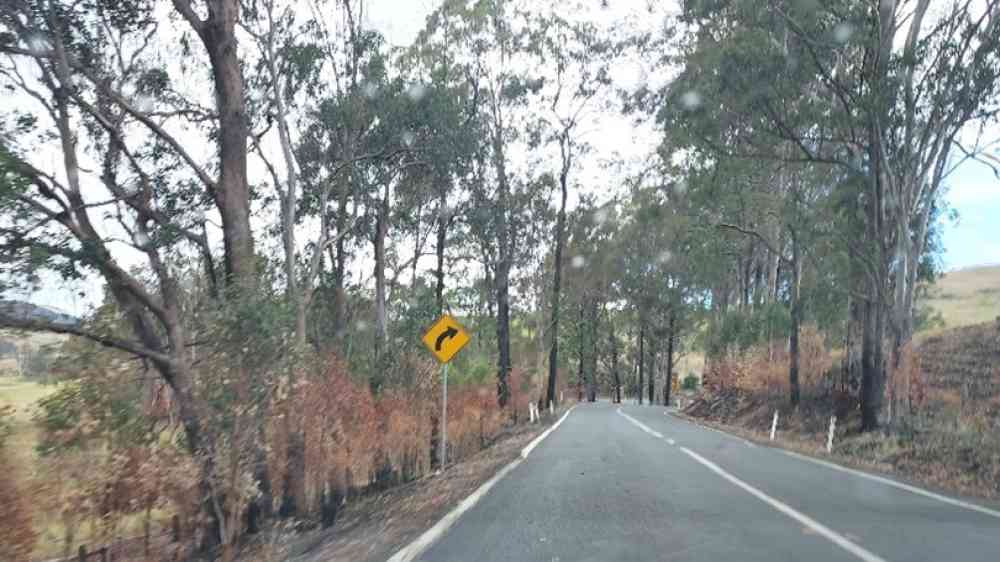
631	482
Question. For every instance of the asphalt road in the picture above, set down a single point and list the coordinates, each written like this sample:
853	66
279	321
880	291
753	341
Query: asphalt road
634	483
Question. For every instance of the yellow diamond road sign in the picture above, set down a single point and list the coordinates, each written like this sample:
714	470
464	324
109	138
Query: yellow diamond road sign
445	338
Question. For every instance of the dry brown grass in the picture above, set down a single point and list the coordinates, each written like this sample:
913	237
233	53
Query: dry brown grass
948	392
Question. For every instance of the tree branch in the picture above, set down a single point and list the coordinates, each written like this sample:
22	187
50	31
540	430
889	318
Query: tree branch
8	321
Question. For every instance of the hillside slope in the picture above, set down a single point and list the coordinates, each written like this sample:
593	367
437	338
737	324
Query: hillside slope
967	296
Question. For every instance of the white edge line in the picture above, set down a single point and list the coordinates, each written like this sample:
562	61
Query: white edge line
900	485
424	541
641	425
534	442
430	536
809	522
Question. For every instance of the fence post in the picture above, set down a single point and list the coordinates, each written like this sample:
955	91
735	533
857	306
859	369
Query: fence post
82	553
774	424
551	411
175	527
829	437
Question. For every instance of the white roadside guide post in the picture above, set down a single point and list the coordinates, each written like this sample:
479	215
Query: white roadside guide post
444	339
829	437
774	424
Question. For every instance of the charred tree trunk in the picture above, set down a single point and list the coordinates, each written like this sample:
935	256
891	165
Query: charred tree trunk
613	349
671	324
651	374
592	379
381	229
580	376
550	392
502	273
793	343
642	357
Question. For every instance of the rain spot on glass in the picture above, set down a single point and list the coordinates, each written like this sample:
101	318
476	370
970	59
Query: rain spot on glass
416	91
664	257
199	216
680	187
140	239
842	33
408	138
38	44
691	100
578	262
361	326
601	216
445	211
369	90
144	103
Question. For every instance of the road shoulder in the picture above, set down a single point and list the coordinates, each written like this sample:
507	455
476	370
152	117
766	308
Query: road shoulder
373	528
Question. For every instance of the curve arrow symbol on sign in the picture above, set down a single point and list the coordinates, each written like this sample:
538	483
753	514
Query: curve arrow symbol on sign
447	334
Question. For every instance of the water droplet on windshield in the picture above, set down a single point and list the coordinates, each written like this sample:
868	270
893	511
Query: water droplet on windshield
578	261
691	100
38	44
361	326
416	91
369	90
680	187
843	32
140	239
601	216
664	256
144	103
408	138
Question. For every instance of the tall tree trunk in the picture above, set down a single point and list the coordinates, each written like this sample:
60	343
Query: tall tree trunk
502	274
340	259
550	392
231	192
613	348
581	357
793	343
381	229
651	374
592	379
442	238
642	356
671	324
872	384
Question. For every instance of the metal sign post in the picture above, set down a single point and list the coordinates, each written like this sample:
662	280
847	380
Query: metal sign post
443	445
444	339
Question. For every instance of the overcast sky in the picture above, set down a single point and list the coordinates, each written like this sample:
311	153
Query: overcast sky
974	190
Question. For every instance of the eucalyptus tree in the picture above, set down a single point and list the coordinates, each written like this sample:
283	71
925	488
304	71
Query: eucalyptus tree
486	40
126	188
880	94
582	59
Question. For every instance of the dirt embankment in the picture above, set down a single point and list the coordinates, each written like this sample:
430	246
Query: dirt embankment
948	440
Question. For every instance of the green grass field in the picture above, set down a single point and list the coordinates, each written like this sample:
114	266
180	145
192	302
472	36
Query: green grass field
967	296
